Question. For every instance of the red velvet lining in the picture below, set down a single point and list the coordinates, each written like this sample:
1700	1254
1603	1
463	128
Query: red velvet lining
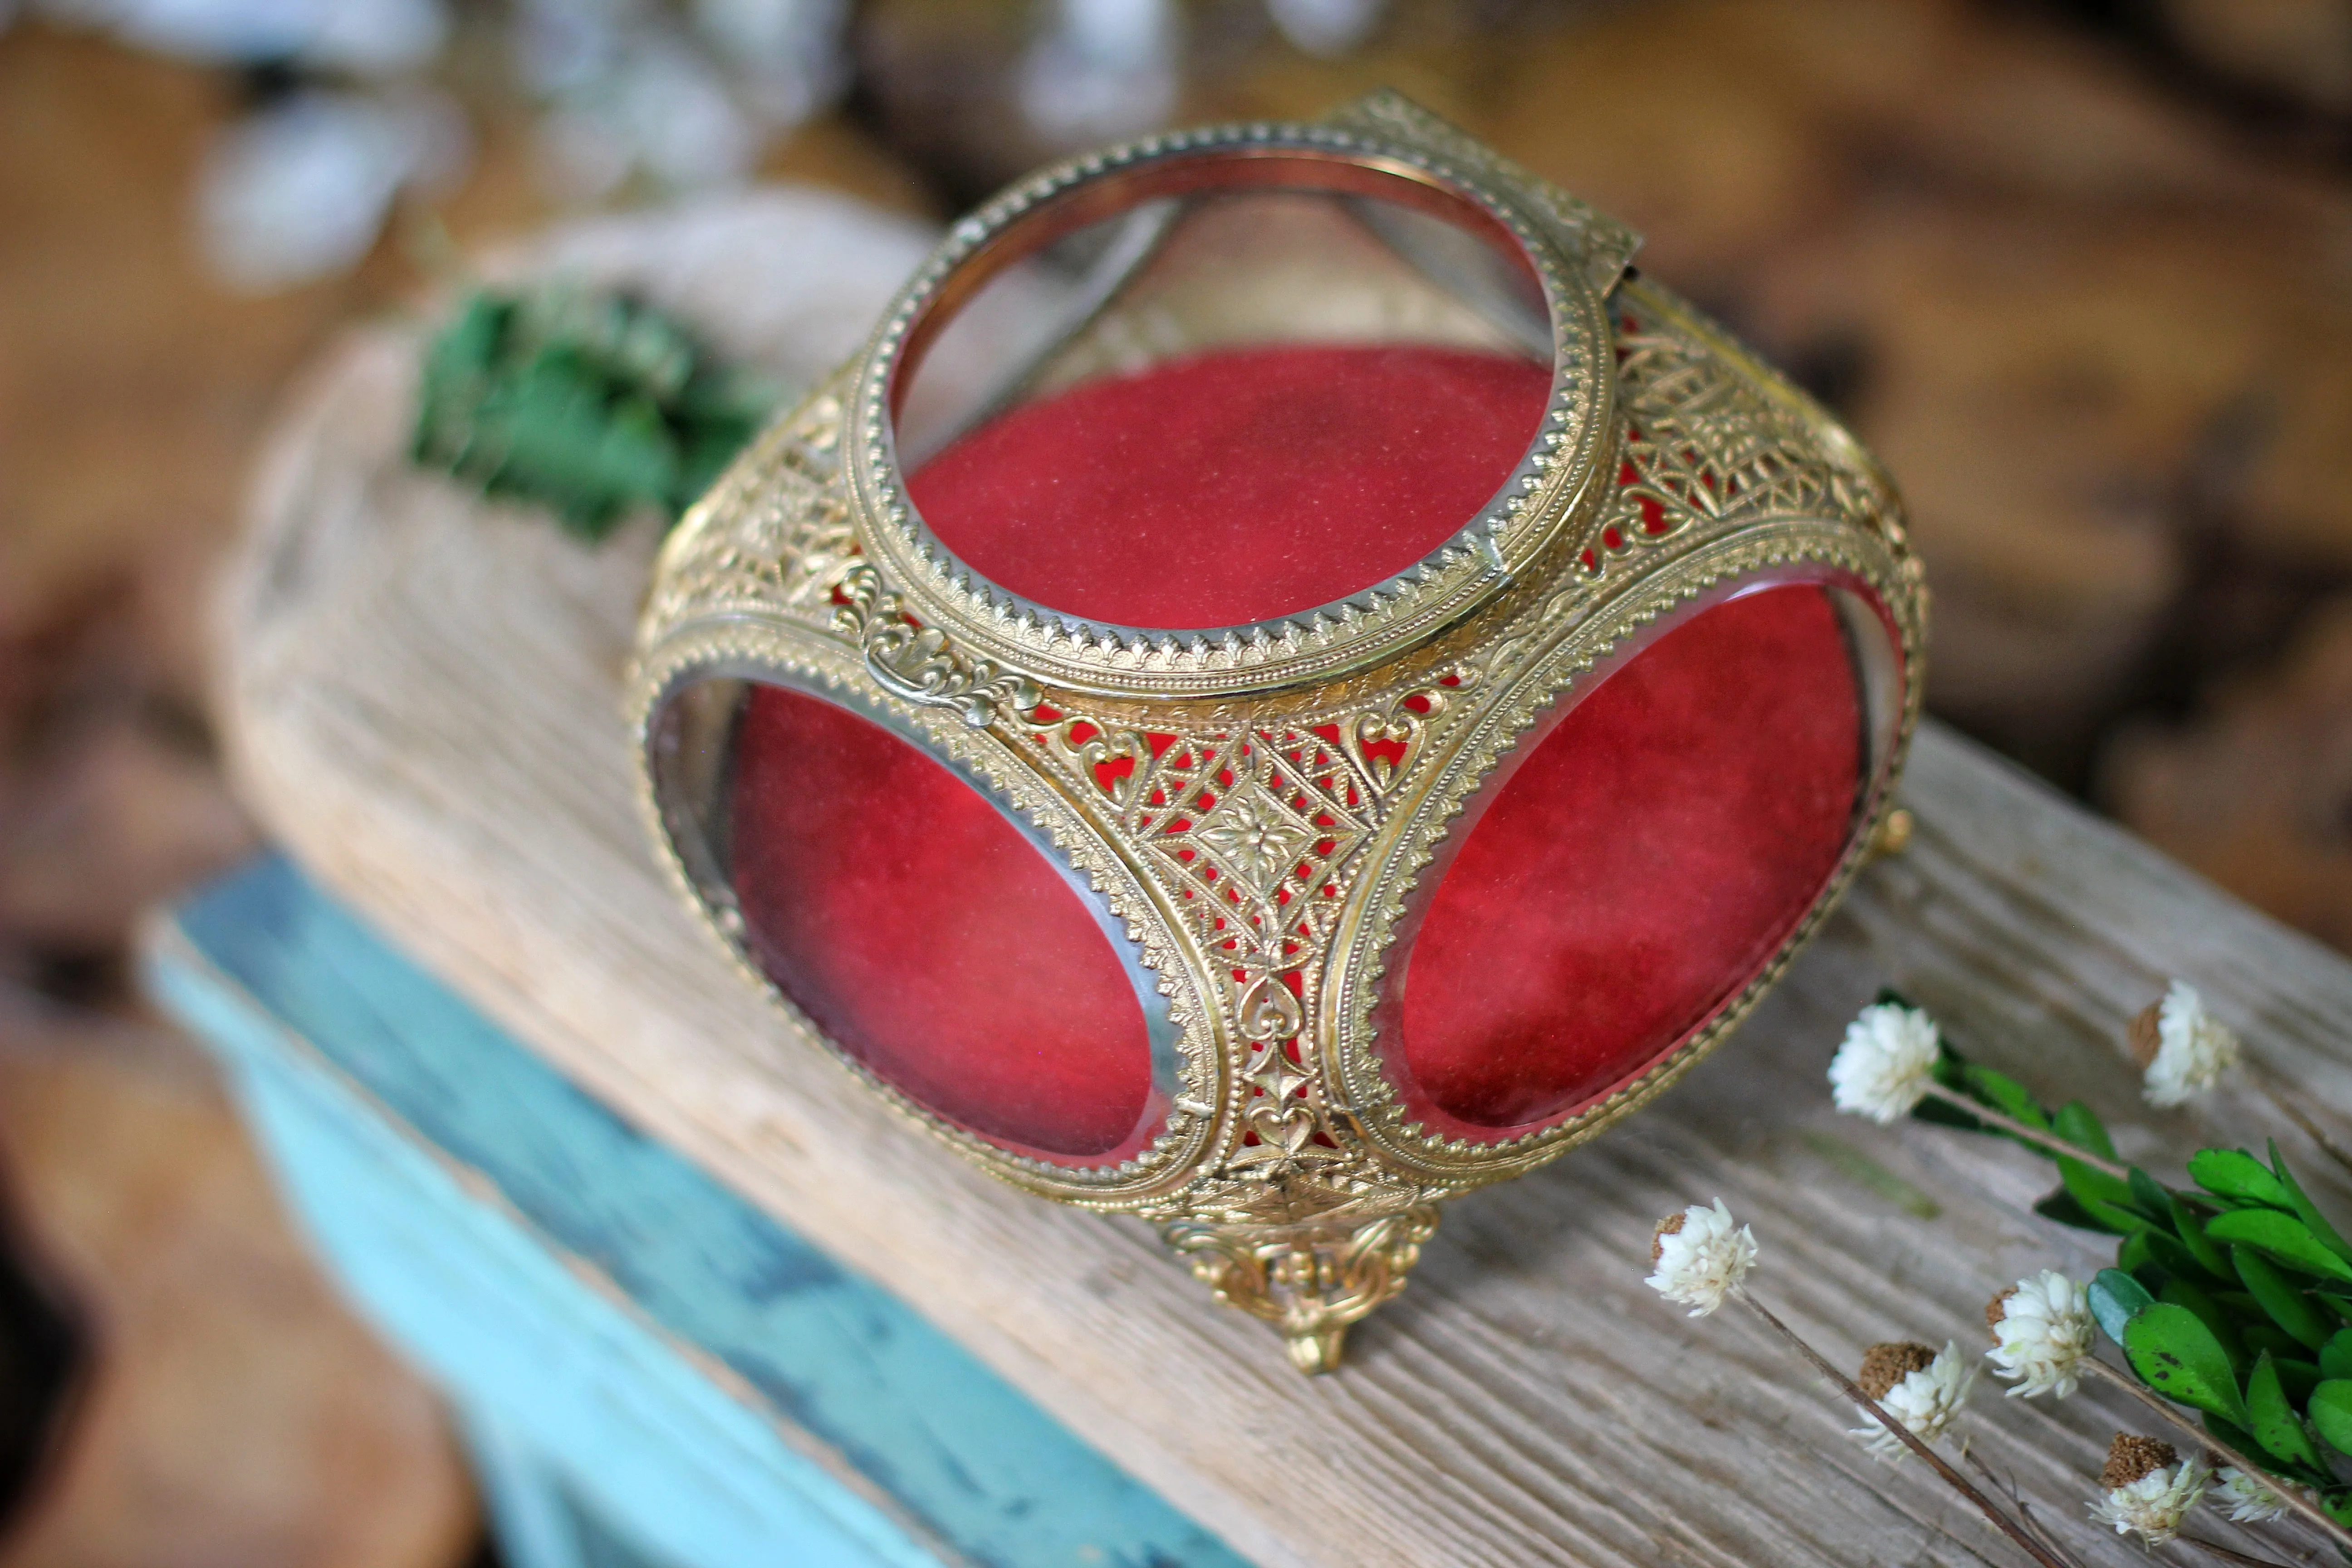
1235	486
919	929
1645	861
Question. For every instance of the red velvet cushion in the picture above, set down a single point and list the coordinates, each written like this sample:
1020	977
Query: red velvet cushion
915	926
1237	486
1653	850
1647	857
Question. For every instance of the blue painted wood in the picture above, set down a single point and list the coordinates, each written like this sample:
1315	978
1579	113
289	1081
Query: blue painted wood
574	1281
538	1522
530	1510
491	1308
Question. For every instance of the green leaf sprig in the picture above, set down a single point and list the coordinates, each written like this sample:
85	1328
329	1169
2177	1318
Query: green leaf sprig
593	404
2232	1296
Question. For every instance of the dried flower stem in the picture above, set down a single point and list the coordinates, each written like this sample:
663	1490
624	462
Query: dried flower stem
1952	1478
2007	1487
2048	1142
2287	1493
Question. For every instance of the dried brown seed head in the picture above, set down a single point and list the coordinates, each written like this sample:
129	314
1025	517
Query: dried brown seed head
2130	1457
2145	1036
1670	1226
1884	1366
1996	1310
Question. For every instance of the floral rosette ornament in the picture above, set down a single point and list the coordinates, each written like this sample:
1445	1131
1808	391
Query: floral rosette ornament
1283	684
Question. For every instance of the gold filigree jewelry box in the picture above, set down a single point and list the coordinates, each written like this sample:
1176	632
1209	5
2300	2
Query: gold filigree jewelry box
1284	684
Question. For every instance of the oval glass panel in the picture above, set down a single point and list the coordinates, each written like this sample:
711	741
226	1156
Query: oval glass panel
1221	406
1642	862
921	928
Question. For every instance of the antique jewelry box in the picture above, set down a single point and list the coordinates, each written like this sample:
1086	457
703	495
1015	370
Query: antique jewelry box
1284	684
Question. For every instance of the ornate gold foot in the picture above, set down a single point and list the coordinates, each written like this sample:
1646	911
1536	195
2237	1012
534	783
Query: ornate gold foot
1312	1281
1893	835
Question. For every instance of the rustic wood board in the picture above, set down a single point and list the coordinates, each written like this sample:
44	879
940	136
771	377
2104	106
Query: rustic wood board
422	695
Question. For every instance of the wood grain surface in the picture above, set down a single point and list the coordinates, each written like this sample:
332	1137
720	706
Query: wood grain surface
422	694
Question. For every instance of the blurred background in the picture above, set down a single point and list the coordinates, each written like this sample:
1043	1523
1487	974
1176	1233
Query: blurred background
2076	268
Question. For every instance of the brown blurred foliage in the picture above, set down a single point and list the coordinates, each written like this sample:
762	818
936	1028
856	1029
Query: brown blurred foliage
236	1414
128	390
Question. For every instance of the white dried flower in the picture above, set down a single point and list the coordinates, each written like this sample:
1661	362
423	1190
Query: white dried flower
1700	1257
2150	1489
1887	1063
2183	1050
2248	1500
1921	1389
2044	1329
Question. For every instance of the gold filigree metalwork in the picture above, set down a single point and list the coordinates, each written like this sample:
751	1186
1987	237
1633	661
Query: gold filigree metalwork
1259	839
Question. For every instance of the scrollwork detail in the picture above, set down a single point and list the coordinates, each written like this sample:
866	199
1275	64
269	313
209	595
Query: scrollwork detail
918	663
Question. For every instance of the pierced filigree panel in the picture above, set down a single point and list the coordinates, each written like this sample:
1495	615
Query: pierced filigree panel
774	536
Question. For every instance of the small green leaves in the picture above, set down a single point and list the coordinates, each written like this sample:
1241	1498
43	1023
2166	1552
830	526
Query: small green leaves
2297	1377
2275	1425
2149	1196
2181	1292
2175	1355
2257	1337
2192	1232
2237	1437
2231	1296
2116	1298
2285	1239
2306	1211
2100	1201
2234	1174
2169	1254
2066	1209
2330	1410
2075	1123
2002	1093
1944	1113
2280	1298
1994	1091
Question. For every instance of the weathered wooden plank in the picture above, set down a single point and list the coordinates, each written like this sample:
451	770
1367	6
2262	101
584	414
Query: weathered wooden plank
705	1378
422	700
